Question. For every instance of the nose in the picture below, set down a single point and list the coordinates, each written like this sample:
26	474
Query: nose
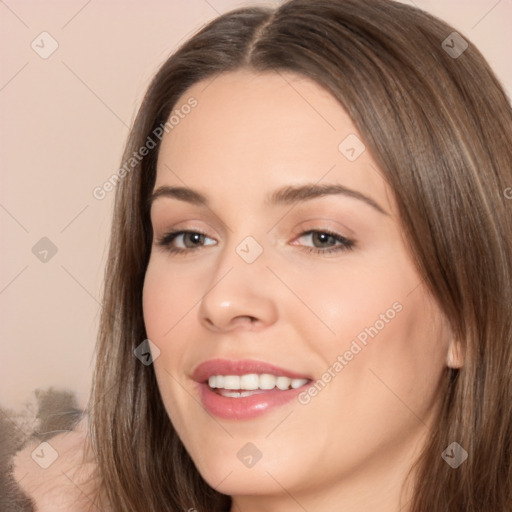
240	295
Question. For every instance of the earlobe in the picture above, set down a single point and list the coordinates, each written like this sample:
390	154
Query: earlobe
455	357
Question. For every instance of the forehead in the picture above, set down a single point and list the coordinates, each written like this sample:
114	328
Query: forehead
258	111
262	131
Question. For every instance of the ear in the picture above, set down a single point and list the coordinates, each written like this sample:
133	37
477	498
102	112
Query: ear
455	356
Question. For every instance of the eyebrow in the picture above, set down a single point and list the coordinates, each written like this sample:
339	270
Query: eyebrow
284	196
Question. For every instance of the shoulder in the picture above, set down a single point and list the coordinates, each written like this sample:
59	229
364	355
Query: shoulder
58	475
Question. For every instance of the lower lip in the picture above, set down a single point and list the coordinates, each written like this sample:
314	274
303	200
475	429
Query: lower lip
248	407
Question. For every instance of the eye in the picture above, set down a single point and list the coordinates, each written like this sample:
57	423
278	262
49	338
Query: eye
324	241
327	241
190	241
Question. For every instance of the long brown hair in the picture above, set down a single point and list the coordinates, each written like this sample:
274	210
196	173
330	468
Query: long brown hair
439	125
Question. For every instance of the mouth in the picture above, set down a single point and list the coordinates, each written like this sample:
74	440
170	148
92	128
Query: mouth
242	390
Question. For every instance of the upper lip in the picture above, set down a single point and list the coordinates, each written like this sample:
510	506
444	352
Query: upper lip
240	367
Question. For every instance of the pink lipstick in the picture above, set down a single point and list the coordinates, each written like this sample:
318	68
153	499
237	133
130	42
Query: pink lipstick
245	389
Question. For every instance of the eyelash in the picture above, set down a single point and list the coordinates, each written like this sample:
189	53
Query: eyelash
345	243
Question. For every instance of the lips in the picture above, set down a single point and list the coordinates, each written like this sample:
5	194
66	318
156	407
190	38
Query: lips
239	406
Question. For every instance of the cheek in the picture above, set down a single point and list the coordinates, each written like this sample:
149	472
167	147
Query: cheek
391	366
161	302
167	297
377	395
351	300
385	354
169	302
155	302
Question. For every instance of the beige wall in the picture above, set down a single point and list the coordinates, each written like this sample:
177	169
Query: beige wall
64	120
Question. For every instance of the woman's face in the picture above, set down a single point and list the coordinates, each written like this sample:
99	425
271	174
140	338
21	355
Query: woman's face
278	279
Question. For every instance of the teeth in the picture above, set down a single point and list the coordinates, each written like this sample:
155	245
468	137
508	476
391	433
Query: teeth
267	381
283	382
250	381
253	381
231	382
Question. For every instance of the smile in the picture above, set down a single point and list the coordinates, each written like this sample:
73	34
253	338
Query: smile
245	389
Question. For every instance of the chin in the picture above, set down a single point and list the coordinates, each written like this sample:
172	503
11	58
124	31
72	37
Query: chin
246	468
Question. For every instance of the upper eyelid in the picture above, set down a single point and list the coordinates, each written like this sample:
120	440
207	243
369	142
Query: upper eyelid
214	222
342	230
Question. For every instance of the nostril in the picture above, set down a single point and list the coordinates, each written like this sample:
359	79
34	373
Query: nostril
245	319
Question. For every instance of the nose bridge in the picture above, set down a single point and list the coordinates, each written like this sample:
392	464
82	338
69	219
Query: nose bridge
240	287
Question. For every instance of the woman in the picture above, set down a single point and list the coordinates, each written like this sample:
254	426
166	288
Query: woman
307	299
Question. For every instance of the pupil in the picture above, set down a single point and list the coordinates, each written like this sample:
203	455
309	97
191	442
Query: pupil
195	237
323	237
